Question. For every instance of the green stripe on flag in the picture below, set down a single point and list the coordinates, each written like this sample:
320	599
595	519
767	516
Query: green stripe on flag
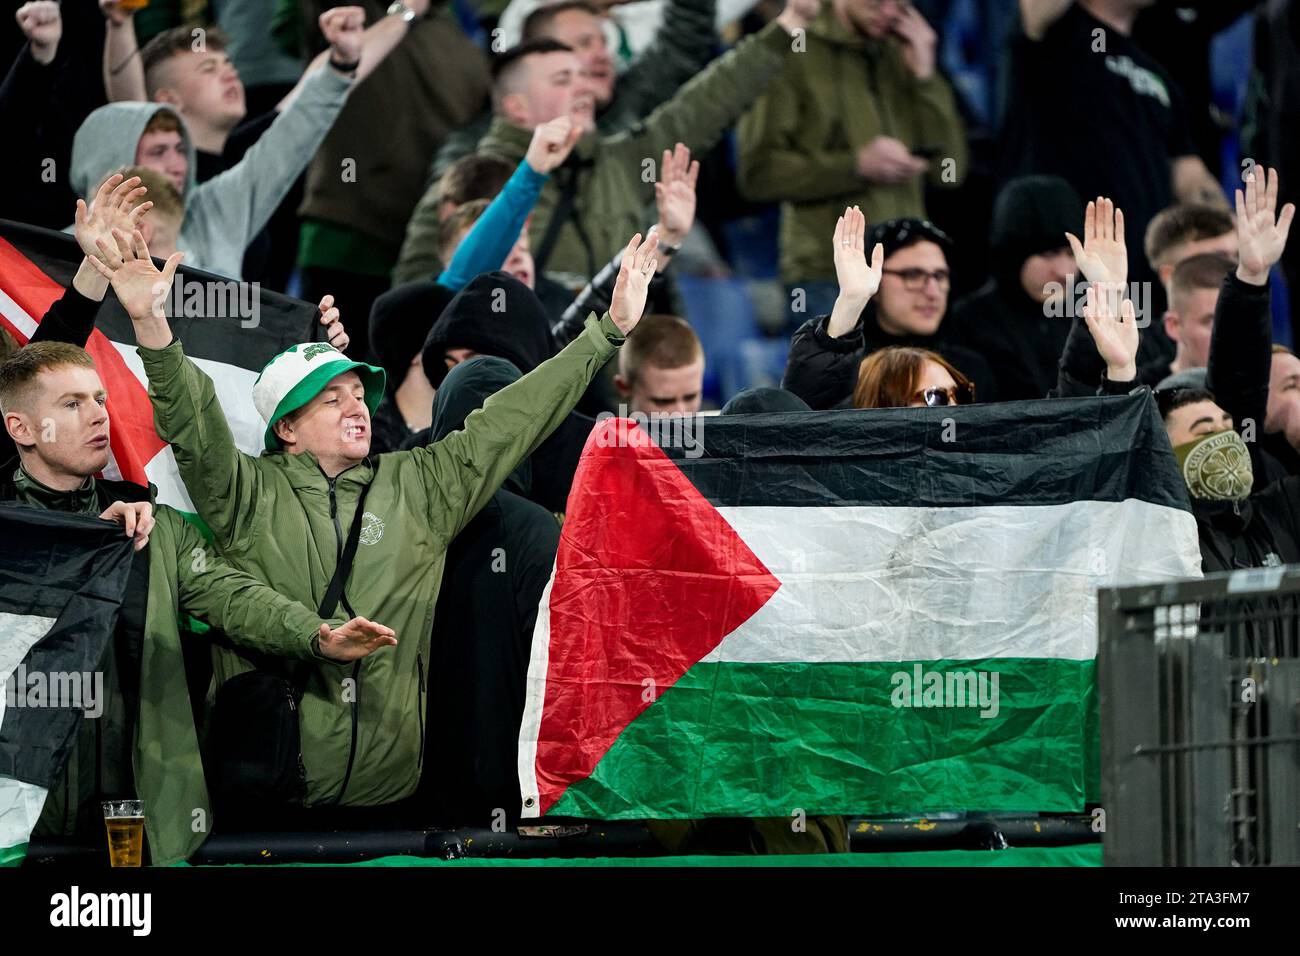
13	855
769	739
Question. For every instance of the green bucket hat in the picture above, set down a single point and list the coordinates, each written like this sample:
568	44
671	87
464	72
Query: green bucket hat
299	373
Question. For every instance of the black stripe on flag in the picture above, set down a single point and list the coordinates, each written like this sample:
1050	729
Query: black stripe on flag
1041	452
225	327
74	569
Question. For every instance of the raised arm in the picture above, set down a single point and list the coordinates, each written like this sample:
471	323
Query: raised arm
715	99
187	415
1102	257
675	201
342	28
825	351
489	242
1241	357
465	469
249	192
1037	16
123	68
681	48
120	204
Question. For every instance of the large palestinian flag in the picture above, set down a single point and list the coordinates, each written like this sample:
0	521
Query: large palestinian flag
230	329
62	579
848	612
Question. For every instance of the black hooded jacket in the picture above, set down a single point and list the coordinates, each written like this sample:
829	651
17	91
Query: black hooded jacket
1011	331
823	371
496	570
495	314
498	315
1265	528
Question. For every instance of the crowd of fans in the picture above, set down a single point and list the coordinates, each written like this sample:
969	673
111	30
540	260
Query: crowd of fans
486	200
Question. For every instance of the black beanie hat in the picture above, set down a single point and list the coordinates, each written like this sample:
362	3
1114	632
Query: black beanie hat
895	234
495	314
400	321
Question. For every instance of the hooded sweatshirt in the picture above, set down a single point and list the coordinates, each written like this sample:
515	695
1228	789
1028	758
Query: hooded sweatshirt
1000	321
497	314
799	144
225	213
496	570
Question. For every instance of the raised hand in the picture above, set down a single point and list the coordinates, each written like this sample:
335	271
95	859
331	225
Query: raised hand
1113	325
42	24
1102	256
675	194
135	517
117	206
858	281
1260	237
140	286
344	30
334	331
354	640
551	144
633	282
919	42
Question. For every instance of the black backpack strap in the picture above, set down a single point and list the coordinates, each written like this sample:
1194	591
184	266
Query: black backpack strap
334	593
563	210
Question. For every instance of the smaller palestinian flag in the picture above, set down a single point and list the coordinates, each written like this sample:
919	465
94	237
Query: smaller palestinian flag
62	579
231	329
850	612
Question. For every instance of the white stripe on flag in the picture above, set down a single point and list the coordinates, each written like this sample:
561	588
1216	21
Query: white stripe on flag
16	314
534	699
909	584
20	807
20	803
19	633
234	387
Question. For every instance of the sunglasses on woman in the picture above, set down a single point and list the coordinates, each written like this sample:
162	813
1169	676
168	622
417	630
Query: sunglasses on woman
936	397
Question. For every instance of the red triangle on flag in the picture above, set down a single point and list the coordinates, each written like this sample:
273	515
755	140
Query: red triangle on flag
649	579
132	438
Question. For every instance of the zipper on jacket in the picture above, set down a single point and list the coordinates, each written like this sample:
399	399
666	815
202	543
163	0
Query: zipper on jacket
352	750
419	663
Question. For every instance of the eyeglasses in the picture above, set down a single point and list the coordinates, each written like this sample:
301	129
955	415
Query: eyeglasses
914	280
936	397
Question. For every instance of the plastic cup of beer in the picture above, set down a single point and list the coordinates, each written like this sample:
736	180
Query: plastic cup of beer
125	822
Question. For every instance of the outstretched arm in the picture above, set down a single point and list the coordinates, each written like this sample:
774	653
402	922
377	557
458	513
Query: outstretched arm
715	99
349	43
465	469
187	415
675	199
488	243
256	616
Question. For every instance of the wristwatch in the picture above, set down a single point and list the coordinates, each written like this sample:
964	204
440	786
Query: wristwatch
408	15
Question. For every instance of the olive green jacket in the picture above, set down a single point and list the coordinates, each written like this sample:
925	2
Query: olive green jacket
615	174
184	575
799	144
279	517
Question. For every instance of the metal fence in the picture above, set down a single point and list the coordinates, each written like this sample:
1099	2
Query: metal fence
1199	685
